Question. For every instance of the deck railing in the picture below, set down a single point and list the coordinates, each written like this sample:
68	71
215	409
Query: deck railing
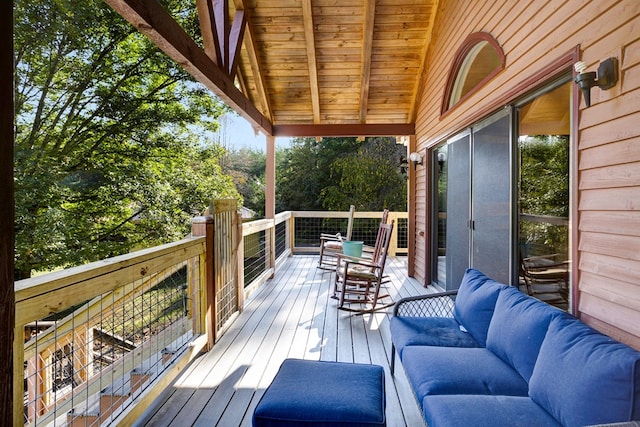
97	343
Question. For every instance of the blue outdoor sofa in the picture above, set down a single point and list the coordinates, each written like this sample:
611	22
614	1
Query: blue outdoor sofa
489	355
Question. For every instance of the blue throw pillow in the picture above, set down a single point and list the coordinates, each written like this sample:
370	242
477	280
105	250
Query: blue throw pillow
583	377
475	303
517	328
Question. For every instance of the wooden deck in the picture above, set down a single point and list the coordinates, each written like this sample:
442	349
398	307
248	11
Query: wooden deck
292	316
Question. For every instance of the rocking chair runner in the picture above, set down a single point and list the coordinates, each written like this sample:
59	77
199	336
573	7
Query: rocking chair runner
331	244
359	281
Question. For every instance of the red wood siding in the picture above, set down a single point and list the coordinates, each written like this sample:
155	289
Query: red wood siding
606	215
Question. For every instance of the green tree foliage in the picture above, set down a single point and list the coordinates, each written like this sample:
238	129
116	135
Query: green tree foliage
106	125
333	173
370	178
247	167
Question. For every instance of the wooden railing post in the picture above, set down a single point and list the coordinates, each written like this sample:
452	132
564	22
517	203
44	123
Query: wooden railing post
203	226
239	257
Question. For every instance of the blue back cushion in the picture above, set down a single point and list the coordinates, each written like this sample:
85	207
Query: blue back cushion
475	302
517	328
582	377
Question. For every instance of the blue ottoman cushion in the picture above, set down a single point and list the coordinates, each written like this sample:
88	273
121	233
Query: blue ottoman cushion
313	393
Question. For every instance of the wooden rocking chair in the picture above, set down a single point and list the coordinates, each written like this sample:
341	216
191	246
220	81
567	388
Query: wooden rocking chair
331	244
359	281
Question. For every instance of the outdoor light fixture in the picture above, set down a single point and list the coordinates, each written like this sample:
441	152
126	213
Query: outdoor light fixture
606	77
441	159
416	159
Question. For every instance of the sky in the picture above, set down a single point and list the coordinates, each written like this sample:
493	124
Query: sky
236	132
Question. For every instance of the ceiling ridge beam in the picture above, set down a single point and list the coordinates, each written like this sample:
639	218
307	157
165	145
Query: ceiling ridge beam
307	13
367	45
345	130
151	19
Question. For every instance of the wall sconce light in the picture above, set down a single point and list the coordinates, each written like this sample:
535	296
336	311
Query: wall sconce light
416	159
606	78
442	157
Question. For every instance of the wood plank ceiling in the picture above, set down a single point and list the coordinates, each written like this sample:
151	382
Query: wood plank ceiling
304	67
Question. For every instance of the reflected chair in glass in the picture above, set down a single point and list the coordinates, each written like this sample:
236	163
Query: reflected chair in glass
546	278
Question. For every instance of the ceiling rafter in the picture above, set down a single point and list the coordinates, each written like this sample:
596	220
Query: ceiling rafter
417	92
367	45
254	63
151	19
307	14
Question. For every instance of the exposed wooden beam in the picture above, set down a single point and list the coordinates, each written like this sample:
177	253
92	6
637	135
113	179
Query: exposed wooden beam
222	38
151	19
307	17
205	16
7	295
221	31
235	41
254	62
355	130
367	44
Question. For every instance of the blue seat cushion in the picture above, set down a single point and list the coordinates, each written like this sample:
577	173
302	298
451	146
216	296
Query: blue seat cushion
484	411
475	303
435	331
583	377
319	394
517	328
449	370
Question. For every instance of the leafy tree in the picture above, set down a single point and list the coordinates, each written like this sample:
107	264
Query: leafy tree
370	178
305	171
333	173
247	167
106	158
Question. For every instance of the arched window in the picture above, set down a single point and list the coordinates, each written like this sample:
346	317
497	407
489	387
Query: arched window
478	59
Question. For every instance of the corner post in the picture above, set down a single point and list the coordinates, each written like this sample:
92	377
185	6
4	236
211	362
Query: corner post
270	202
10	404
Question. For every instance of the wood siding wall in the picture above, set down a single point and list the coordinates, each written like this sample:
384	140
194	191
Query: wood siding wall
606	156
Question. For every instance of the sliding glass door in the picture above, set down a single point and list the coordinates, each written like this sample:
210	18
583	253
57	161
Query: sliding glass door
474	202
501	197
491	195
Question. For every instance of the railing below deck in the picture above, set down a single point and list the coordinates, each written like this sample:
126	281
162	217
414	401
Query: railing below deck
97	343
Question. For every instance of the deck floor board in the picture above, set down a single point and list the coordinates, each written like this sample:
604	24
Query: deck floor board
291	316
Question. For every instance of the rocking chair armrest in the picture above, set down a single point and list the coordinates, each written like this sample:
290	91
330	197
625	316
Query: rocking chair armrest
439	304
332	237
348	259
